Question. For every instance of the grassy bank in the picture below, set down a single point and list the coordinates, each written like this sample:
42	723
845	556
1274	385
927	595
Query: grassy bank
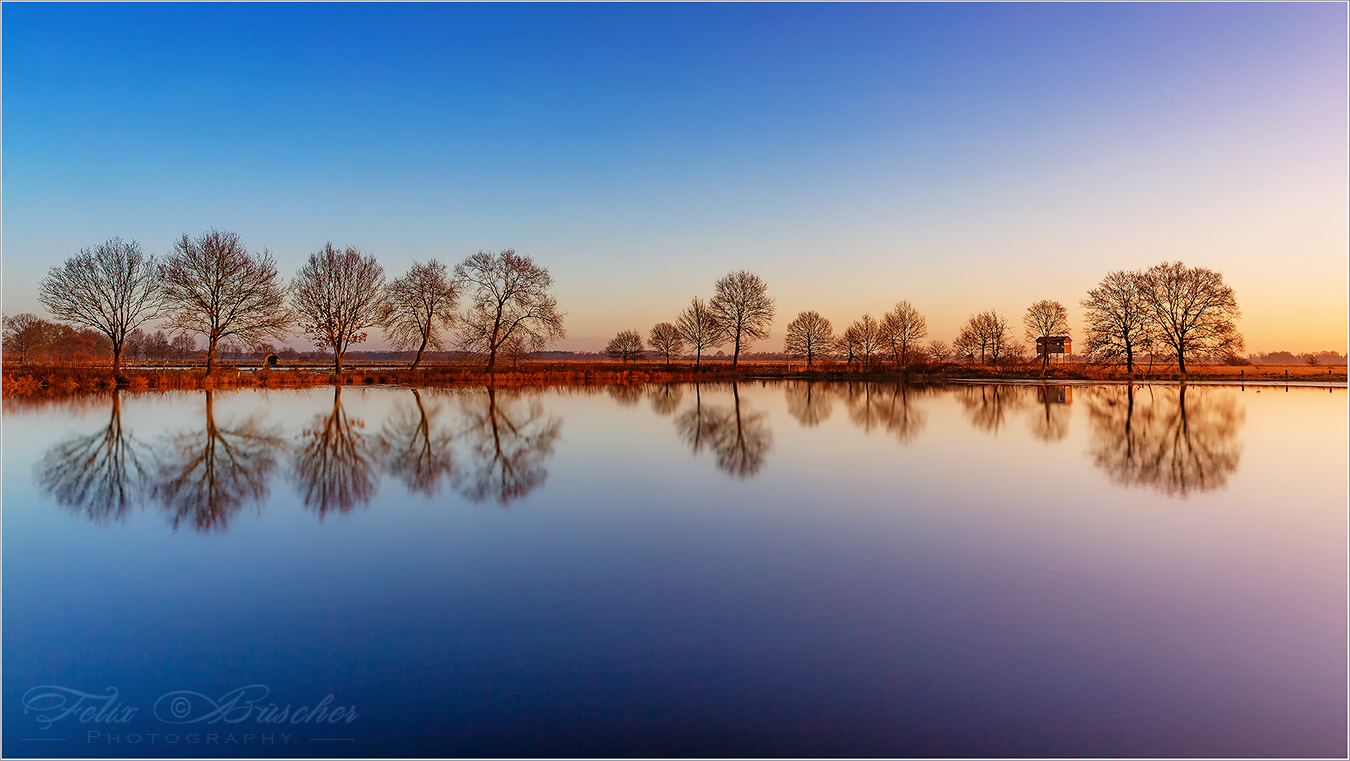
49	380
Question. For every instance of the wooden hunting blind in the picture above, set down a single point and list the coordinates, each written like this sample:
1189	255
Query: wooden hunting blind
1054	345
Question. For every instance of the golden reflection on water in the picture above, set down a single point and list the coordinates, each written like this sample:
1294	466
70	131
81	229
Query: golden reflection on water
494	445
738	437
1175	439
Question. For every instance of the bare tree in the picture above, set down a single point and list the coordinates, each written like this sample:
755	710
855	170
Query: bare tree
1117	319
337	296
966	345
215	288
157	347
626	346
810	336
510	298
986	333
183	346
665	339
134	346
862	340
420	305
1044	319
514	350
901	330
938	351
700	328
743	308
997	335
111	289
24	336
1193	310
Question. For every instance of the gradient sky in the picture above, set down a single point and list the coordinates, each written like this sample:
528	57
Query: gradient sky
960	157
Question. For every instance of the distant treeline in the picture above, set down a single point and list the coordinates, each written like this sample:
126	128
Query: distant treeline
1289	358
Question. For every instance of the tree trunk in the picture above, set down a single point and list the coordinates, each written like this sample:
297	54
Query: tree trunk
1181	361
337	360
736	357
210	356
1129	359
420	349
117	359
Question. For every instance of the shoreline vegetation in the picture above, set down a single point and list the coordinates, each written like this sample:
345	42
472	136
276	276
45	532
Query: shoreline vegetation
59	380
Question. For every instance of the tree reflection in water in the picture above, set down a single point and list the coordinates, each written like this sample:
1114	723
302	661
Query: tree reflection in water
1050	417
666	398
508	438
1176	440
700	425
739	439
890	406
809	403
626	395
419	450
990	405
204	477
336	465
100	476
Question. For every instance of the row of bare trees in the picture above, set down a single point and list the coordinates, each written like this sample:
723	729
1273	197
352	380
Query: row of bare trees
29	338
212	286
988	336
739	313
1170	309
1182	312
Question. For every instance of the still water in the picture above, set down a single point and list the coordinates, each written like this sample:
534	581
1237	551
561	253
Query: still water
765	569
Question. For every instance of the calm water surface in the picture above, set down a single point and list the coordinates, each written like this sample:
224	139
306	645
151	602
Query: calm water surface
781	569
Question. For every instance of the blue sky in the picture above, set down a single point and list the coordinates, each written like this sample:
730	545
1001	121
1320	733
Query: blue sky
961	157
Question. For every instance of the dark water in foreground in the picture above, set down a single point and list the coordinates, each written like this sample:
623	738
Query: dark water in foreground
778	570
